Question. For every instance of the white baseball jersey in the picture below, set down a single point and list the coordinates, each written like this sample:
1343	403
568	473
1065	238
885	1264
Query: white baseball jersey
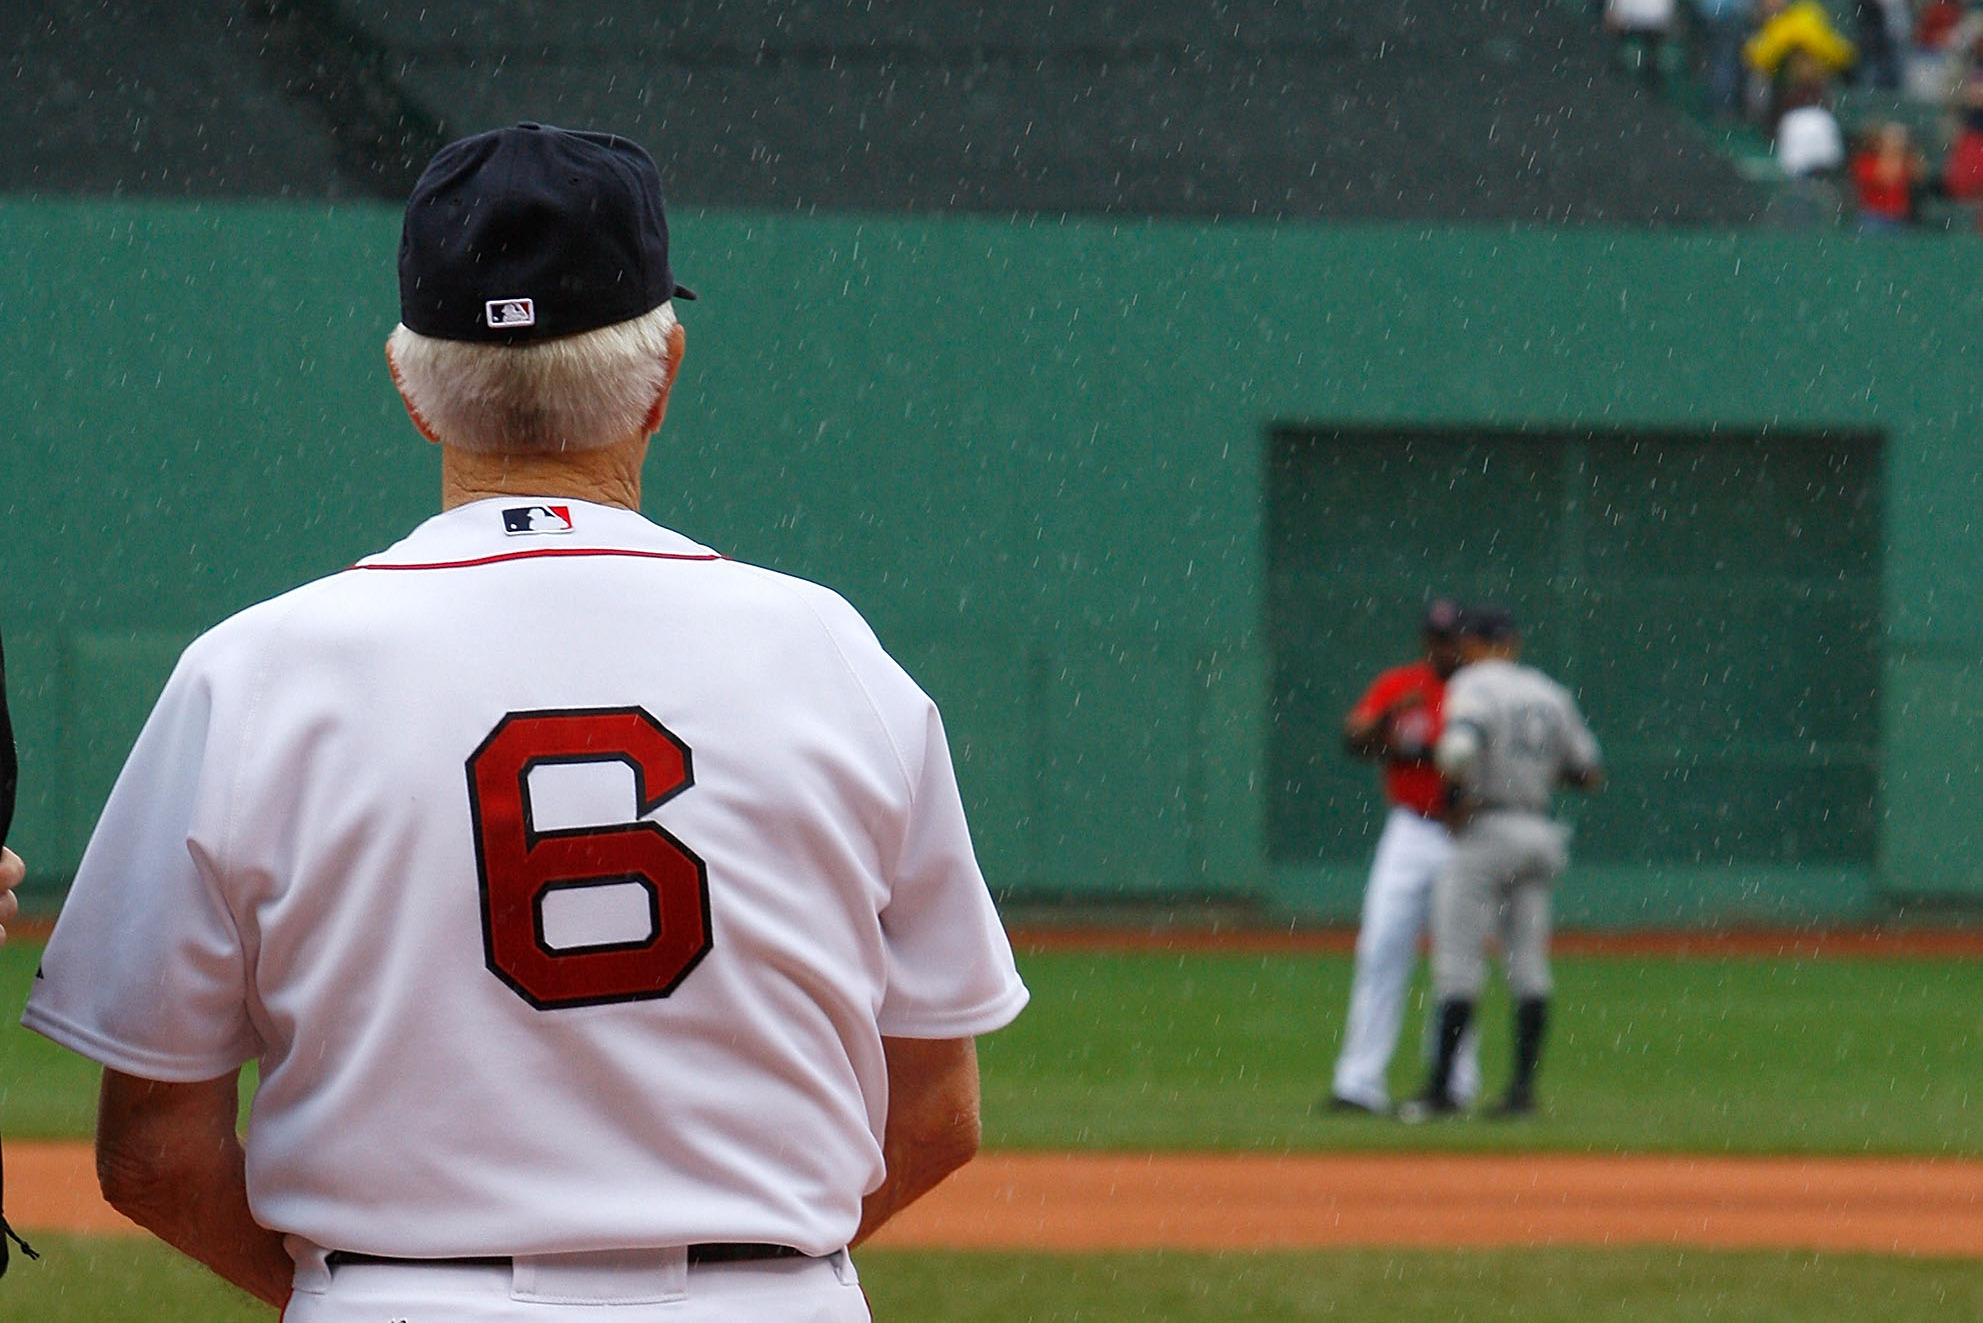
562	876
1529	729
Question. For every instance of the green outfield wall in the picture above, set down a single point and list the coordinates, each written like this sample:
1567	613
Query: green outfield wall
1050	461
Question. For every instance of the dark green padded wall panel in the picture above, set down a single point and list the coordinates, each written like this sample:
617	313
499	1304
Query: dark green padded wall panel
1714	599
1032	451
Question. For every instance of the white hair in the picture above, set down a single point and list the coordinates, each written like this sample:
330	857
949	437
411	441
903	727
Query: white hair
578	392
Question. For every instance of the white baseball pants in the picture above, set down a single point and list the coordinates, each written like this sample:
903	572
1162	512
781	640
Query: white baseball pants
634	1286
1397	910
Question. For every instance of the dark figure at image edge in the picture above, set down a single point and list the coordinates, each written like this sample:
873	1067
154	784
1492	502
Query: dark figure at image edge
9	784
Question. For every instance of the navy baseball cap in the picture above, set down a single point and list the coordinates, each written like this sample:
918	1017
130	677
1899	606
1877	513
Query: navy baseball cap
1487	621
1442	617
533	233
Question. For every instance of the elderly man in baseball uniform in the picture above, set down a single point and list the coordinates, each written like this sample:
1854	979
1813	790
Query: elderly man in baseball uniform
599	911
1512	736
1397	722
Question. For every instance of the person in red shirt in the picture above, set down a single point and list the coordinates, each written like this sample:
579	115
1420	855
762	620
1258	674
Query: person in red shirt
1935	22
1887	174
1396	723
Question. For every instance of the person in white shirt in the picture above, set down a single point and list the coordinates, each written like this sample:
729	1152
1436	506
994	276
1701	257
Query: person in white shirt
599	911
1641	29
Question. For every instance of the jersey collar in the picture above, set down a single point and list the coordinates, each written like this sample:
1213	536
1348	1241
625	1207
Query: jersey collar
529	527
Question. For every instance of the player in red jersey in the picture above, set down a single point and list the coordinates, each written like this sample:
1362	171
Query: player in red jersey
1397	722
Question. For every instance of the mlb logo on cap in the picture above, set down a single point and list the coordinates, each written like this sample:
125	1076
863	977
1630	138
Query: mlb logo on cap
511	312
537	519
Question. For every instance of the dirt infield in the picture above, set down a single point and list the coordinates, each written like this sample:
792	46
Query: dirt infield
1202	1202
1091	1201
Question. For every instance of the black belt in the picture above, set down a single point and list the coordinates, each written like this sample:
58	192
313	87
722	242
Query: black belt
715	1251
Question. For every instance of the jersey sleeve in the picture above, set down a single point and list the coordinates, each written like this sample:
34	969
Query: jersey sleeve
1383	691
144	972
1468	712
1581	754
950	968
1468	703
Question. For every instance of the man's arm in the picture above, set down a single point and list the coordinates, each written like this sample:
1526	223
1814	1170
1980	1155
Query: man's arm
1367	728
1363	735
1583	761
932	1125
168	1158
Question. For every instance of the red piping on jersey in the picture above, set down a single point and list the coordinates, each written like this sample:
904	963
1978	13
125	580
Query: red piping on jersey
544	551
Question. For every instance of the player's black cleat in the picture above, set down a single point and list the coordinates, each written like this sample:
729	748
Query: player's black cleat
1517	1104
1337	1105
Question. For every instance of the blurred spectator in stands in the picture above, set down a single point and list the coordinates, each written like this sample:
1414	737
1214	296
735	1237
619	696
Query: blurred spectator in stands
1962	171
1785	28
1888	176
1934	23
1883	27
1961	56
1723	25
1935	36
1809	148
1641	29
1808	140
1962	70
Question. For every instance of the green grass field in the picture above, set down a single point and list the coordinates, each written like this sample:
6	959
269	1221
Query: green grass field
1645	1055
105	1280
1230	1051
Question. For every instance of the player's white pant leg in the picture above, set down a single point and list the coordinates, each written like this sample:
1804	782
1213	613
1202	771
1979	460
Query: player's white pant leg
767	1291
1410	853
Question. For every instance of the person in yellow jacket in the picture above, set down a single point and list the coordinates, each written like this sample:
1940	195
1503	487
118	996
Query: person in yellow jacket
1786	29
1786	26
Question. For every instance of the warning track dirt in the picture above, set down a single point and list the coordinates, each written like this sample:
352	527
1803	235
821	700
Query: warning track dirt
1098	1201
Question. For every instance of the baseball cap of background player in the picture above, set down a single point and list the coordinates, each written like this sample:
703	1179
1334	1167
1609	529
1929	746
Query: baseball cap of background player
1442	618
532	233
1487	621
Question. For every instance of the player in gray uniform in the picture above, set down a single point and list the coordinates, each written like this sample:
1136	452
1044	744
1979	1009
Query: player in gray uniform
1512	736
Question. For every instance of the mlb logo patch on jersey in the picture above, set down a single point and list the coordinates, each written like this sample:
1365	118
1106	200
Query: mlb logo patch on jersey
510	312
537	519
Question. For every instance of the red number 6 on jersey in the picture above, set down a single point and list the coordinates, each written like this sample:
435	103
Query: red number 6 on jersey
519	865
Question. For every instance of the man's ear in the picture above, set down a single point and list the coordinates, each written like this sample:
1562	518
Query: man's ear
678	339
399	383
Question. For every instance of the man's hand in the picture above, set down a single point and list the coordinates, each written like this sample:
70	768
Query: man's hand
168	1158
12	873
932	1122
1375	735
